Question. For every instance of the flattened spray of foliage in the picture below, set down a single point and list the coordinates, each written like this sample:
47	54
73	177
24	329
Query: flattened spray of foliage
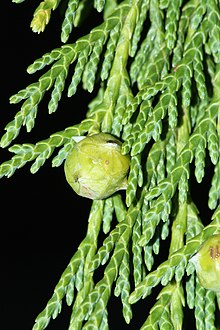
156	66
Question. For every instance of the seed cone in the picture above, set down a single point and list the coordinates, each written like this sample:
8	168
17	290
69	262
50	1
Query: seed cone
95	167
207	263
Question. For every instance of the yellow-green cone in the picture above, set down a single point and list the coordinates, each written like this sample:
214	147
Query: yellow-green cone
207	263
95	167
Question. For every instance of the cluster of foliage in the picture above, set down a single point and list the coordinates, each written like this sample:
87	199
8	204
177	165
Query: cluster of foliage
156	66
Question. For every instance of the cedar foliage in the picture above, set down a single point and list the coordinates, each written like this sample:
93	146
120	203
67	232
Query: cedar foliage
155	65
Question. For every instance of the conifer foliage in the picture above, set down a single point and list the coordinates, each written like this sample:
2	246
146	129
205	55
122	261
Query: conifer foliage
155	65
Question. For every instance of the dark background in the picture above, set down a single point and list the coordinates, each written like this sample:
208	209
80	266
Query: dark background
42	219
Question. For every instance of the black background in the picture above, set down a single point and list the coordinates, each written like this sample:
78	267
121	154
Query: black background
42	220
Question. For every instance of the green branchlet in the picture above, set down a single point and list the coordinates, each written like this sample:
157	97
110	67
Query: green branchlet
157	67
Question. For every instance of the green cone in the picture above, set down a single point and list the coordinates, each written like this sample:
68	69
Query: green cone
95	167
207	263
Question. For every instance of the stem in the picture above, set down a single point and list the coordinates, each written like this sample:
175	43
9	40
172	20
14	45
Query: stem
118	78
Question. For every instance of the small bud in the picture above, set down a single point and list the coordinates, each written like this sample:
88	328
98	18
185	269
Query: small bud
41	17
207	263
95	167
